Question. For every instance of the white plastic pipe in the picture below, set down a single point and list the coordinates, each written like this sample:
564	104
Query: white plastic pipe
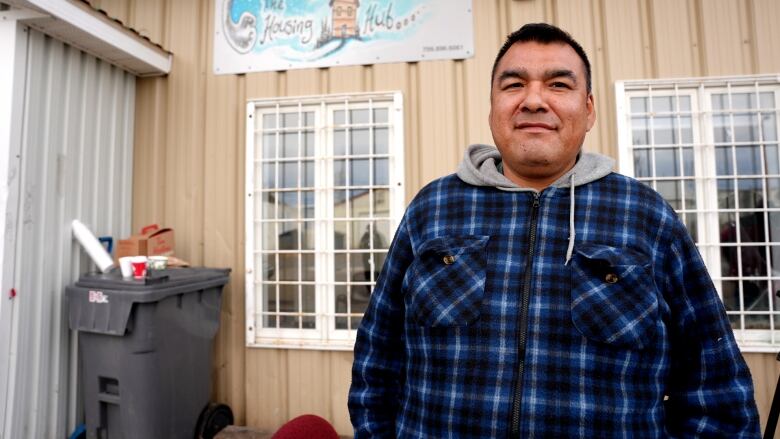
93	247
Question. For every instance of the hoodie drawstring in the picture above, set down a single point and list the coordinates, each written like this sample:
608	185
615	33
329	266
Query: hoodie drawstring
572	232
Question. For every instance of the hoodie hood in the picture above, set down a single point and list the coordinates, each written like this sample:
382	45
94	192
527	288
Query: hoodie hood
482	166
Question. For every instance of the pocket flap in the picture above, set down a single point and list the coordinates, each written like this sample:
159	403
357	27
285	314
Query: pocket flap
613	296
446	282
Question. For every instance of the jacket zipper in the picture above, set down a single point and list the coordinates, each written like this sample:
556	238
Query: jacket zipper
523	326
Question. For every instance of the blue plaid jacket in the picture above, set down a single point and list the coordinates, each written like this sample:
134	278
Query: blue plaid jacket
476	323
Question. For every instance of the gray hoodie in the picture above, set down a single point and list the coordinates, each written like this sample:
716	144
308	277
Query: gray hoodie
482	166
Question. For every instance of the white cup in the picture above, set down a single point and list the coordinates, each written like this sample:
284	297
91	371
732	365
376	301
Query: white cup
126	266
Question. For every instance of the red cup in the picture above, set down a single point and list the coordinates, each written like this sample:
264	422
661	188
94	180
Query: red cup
139	270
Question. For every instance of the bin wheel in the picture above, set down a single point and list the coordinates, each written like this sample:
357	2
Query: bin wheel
212	420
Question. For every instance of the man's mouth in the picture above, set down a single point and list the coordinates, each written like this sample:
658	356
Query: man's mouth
534	126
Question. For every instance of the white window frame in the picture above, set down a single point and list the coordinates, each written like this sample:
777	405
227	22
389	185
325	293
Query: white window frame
707	210
326	335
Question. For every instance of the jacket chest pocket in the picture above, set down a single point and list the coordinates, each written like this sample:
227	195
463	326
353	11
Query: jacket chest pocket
613	296
446	282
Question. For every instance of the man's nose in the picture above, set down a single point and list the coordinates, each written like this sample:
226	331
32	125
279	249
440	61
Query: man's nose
534	100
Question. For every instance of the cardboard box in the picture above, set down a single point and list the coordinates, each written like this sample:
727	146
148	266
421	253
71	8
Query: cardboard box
151	241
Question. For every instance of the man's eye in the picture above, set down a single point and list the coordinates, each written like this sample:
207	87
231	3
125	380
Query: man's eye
559	84
513	85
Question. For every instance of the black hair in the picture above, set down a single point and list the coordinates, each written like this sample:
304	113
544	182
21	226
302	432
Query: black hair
545	34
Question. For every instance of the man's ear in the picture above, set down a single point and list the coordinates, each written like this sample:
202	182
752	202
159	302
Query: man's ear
591	108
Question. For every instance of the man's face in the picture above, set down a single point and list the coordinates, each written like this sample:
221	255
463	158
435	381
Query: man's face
540	111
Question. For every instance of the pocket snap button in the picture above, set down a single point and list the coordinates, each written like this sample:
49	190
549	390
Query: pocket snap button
611	278
449	259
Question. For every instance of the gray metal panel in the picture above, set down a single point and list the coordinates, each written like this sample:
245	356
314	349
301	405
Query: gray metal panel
76	164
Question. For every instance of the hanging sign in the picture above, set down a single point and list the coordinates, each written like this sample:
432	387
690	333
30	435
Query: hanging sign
272	35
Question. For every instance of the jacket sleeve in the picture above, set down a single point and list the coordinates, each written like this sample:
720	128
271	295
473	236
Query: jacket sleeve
710	390
377	371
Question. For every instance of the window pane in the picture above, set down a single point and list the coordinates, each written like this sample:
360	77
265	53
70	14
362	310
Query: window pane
339	173
307	149
642	165
381	140
359	139
382	235
769	127
773	187
719	102
743	101
288	236
289	145
308	302
751	193
308	173
340	267
772	159
307	197
380	115
269	267
338	117
745	127
729	264
686	130
269	236
670	190
664	130
691	223
754	261
340	203
288	174
359	172
339	142
662	104
640	134
269	121
359	203
288	205
290	119
360	234
308	267
666	162
269	176
381	202
724	165
288	298
288	267
727	224
340	235
774	226
307	235
269	205
767	100
730	293
687	154
381	172
269	145
684	102
639	105
726	194
360	267
358	116
721	128
690	194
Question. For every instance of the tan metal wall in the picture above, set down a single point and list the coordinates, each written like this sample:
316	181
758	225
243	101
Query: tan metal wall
190	147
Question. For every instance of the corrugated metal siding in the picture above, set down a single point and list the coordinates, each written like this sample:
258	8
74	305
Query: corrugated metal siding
190	151
76	164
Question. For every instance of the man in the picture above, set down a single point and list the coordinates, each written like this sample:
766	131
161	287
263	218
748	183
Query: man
538	294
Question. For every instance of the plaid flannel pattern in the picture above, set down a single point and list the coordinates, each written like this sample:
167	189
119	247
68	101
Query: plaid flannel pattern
632	318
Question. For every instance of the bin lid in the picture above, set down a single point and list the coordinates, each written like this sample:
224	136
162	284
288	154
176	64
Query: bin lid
101	302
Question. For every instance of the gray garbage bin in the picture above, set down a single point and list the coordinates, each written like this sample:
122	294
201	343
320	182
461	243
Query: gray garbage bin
145	350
